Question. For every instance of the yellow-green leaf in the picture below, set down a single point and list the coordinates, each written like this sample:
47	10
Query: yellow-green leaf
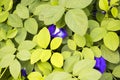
103	4
45	55
3	16
112	2
43	38
71	44
55	43
35	76
57	60
114	12
36	55
111	41
88	53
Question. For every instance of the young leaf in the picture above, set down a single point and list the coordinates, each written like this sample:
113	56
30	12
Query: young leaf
80	3
31	25
71	44
15	68
12	33
66	54
43	38
44	67
57	60
97	34
35	76
6	60
89	74
111	41
23	55
69	63
114	12
88	53
51	14
21	35
8	4
35	56
45	55
58	76
106	76
55	43
3	16
79	40
15	21
112	2
116	71
83	65
103	4
97	52
76	20
111	56
22	11
26	45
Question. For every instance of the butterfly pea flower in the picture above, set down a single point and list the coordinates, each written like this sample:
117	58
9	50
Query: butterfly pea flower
100	64
23	72
57	32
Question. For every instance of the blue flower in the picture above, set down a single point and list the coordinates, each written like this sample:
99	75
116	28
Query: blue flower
23	72
100	64
56	32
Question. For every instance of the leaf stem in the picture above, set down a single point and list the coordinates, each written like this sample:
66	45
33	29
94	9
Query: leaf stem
3	72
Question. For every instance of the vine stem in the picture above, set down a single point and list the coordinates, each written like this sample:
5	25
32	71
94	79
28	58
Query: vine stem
3	72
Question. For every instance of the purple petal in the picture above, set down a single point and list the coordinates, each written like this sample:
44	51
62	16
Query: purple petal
62	33
23	72
56	32
100	64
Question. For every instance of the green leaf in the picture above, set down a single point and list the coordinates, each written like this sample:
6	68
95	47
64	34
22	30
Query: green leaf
111	24
44	67
58	76
51	14
97	34
26	45
35	76
116	71
89	74
26	2
54	2
80	3
62	2
79	40
31	25
7	50
12	33
57	60
103	4
106	76
3	16
55	43
111	41
93	24
88	53
69	63
83	65
22	11
14	21
45	55
114	12
76	20
71	44
15	68
111	56
21	35
8	4
23	55
35	56
6	60
66	54
97	52
2	34
113	2
43	38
